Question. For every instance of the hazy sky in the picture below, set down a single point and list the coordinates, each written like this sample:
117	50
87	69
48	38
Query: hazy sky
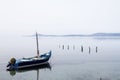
18	17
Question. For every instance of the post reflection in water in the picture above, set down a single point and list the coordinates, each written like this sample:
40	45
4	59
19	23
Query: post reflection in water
73	47
68	47
36	68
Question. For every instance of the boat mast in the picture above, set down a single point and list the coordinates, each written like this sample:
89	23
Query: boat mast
37	45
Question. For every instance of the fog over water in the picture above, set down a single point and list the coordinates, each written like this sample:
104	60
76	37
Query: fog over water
72	58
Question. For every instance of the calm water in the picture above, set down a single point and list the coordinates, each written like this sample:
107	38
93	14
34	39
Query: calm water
73	58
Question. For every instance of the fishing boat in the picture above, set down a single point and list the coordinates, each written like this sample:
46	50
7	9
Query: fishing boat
29	62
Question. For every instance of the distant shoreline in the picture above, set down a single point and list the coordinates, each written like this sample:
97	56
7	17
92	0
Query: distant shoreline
83	35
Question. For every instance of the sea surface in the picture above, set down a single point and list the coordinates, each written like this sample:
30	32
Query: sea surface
73	58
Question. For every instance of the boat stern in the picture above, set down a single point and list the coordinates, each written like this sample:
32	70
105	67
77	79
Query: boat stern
11	64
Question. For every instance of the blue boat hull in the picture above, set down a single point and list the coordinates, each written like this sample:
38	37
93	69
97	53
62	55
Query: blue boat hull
29	62
34	68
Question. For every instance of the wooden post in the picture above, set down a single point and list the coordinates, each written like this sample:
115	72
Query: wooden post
81	48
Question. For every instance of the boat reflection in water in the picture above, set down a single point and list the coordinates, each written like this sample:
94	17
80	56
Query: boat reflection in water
36	68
